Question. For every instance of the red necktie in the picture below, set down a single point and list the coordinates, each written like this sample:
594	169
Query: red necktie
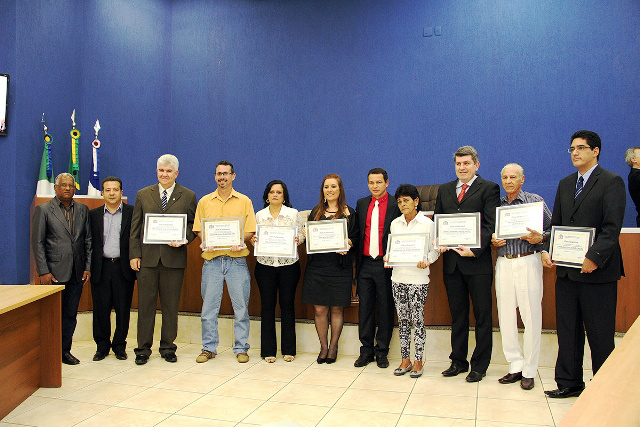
462	192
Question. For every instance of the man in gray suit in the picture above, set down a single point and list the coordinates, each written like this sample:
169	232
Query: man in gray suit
61	245
160	267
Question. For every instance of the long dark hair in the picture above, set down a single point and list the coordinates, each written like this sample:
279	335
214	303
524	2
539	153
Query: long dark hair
322	204
285	193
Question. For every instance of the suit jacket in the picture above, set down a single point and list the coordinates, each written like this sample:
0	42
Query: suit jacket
483	196
182	201
56	250
362	207
96	217
600	205
634	191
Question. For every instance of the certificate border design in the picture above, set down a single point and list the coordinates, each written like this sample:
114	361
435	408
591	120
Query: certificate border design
499	209
344	248
425	251
147	241
218	219
438	217
294	250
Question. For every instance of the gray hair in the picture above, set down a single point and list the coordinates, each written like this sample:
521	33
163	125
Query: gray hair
466	150
513	165
168	159
65	175
630	154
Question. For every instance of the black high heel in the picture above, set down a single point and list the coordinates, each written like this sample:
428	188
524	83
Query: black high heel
322	360
330	360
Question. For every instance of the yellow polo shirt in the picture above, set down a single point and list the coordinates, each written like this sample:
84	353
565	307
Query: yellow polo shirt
212	206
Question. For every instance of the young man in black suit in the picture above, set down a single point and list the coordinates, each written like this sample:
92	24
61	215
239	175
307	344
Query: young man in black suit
469	272
112	278
586	296
375	214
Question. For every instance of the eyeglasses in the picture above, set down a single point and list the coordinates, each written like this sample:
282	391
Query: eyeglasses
223	173
578	148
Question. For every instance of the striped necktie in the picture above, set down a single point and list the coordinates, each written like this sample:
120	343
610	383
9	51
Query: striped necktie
463	191
164	200
579	186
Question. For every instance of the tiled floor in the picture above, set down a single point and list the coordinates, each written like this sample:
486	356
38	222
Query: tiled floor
224	393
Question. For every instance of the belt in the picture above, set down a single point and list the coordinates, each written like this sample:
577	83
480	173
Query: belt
370	258
111	259
512	256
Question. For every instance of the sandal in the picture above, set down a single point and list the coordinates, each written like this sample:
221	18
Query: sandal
288	358
270	359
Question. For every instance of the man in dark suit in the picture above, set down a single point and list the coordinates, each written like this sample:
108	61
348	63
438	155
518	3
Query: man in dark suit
160	267
632	157
469	272
61	245
375	214
586	296
112	278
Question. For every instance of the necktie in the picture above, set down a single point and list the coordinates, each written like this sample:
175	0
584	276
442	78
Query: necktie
374	243
164	200
462	192
579	186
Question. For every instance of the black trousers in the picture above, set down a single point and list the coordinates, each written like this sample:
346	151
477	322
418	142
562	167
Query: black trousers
579	307
374	289
70	300
167	283
112	292
459	288
273	282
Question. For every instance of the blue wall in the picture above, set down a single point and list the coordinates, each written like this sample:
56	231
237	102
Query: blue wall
295	89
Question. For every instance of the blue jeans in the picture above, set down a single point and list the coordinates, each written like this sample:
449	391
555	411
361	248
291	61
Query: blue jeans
214	273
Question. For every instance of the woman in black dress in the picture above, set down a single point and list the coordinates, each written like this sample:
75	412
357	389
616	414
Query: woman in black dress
328	276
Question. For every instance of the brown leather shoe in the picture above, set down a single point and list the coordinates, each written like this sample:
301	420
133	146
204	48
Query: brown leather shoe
511	378
526	383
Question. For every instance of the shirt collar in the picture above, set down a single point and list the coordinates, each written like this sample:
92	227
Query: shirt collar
587	174
381	199
118	209
234	193
520	197
61	204
468	183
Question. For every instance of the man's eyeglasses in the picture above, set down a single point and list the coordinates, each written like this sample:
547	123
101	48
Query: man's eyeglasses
578	148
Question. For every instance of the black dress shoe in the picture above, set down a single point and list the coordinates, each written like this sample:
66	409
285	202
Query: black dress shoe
454	370
69	359
99	356
170	357
382	361
141	359
121	355
526	383
363	360
474	377
511	378
564	392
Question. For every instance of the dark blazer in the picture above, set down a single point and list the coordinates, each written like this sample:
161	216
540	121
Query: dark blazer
483	196
55	249
182	201
600	205
634	191
96	217
362	207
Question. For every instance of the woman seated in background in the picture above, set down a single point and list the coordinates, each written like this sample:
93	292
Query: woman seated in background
278	275
410	284
328	276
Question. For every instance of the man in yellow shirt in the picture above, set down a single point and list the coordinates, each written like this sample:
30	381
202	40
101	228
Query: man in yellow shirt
228	265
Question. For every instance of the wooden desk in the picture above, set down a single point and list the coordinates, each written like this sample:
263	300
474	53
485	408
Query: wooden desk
611	398
31	342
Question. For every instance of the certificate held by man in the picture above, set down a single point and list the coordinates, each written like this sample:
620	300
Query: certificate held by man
222	232
453	230
568	246
162	229
276	241
512	221
327	236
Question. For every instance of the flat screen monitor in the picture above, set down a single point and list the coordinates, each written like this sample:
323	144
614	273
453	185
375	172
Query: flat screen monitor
4	102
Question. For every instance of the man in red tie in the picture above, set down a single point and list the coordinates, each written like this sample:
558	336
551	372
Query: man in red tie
375	213
469	272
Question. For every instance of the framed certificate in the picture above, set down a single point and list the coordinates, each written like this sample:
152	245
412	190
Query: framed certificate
569	245
276	241
512	221
161	229
453	230
327	236
222	232
406	249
